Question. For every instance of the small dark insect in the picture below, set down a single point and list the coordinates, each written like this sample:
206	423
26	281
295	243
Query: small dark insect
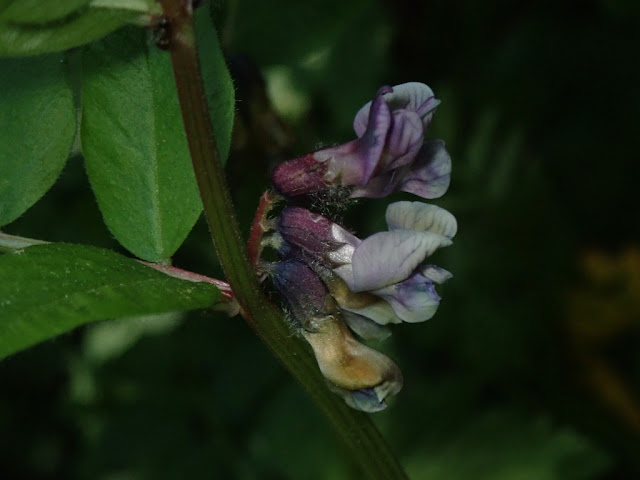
162	33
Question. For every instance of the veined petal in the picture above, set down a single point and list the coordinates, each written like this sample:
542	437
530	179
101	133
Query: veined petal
404	141
421	216
354	162
361	120
414	96
430	174
348	243
386	258
413	300
378	187
373	141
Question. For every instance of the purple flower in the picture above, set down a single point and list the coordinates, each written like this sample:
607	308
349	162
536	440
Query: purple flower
384	277
390	153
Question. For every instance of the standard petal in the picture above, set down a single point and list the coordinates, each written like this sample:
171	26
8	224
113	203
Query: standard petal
430	174
355	162
414	300
372	143
361	120
421	216
413	96
386	258
404	140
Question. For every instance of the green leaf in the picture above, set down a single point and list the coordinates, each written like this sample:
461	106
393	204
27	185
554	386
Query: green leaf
50	289
38	11
217	82
83	26
135	146
37	127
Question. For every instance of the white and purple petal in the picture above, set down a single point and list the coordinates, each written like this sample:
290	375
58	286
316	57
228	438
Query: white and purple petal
361	120
404	141
413	300
365	400
354	163
378	187
413	96
386	258
421	216
430	174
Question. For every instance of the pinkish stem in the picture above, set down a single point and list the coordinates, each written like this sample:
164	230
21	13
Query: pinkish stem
224	287
259	227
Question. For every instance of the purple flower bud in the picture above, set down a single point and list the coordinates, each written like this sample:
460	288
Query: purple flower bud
304	293
314	234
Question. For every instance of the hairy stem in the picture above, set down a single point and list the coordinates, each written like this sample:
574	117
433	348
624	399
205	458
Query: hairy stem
367	446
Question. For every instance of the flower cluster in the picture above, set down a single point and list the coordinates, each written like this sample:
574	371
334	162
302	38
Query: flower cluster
335	284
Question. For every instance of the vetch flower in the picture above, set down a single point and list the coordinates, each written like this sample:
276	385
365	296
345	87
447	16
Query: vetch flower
390	153
335	284
361	375
384	277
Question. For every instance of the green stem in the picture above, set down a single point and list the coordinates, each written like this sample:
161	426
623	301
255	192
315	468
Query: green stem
356	429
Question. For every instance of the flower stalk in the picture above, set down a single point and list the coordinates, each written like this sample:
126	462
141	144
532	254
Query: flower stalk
368	448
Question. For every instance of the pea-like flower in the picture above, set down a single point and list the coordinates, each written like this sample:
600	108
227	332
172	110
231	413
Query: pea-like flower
363	376
334	283
390	153
383	278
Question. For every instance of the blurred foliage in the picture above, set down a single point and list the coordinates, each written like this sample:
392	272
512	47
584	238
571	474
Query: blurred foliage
530	369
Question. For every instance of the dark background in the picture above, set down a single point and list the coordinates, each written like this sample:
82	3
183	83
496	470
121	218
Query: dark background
529	370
